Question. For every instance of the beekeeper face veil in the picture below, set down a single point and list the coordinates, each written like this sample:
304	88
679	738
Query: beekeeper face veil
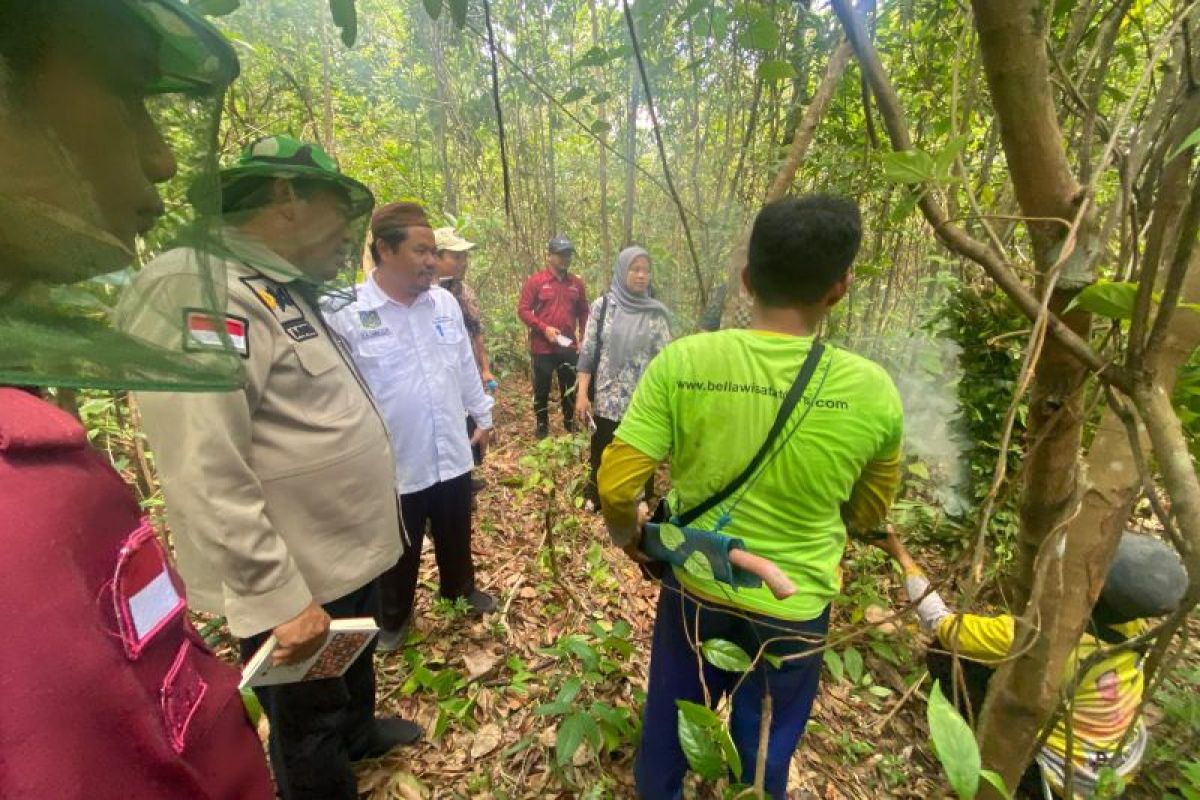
102	104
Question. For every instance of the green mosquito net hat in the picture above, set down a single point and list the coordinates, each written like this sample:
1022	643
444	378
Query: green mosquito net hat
279	174
108	109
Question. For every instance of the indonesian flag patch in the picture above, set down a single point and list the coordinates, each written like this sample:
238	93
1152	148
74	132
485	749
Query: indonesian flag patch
204	330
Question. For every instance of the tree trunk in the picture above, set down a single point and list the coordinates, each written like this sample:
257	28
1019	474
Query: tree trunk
630	155
605	237
440	116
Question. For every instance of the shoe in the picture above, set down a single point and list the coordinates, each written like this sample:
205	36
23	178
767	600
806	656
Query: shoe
386	735
391	641
478	484
481	603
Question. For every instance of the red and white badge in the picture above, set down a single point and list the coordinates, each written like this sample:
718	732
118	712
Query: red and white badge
144	590
204	331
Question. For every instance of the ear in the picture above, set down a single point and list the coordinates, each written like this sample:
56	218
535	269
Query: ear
284	198
745	277
838	290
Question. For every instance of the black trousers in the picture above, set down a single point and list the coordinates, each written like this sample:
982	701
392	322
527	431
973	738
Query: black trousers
601	438
545	367
319	727
446	507
476	453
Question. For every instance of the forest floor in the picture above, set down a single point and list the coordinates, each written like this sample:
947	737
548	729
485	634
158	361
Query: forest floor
506	700
552	636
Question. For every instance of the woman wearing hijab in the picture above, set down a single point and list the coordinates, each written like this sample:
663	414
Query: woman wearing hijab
626	328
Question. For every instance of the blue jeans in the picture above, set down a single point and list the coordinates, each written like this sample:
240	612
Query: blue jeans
661	764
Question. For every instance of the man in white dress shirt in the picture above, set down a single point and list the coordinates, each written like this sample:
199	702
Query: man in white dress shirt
408	339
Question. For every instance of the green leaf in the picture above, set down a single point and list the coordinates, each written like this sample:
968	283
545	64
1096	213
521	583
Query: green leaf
833	662
600	127
585	652
1113	299
772	659
697	564
908	166
458	13
433	7
997	782
761	34
1192	140
345	17
700	715
569	689
772	71
729	750
693	8
854	665
725	655
601	97
954	744
573	94
571	733
593	57
670	535
214	8
702	751
919	469
943	162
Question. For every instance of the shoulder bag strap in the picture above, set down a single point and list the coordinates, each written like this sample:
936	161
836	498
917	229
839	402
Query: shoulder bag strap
785	411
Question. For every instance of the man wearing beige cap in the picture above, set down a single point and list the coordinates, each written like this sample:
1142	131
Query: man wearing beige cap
410	343
452	257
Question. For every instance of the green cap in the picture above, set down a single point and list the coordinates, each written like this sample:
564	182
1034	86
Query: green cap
284	157
193	56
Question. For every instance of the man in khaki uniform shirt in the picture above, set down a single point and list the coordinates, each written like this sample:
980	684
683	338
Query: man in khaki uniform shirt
282	496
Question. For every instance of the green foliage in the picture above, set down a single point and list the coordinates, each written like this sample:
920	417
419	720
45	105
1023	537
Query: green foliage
956	749
1113	299
725	655
986	327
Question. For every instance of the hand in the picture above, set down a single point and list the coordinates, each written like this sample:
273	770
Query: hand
551	334
301	636
643	514
482	437
489	381
892	545
583	408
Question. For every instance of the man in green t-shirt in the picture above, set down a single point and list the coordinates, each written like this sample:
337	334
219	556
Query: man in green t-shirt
706	403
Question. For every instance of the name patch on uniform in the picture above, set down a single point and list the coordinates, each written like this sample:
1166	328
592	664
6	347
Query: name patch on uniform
300	329
204	330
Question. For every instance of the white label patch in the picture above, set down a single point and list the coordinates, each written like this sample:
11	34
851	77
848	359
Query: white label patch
153	604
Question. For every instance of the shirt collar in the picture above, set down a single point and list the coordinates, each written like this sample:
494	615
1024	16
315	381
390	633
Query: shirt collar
256	255
372	298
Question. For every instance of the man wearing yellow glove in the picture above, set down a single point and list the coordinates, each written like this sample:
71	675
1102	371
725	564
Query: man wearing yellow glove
707	402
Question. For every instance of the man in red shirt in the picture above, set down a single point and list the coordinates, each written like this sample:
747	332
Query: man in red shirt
554	305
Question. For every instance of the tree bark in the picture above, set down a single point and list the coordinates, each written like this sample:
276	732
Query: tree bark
605	237
630	156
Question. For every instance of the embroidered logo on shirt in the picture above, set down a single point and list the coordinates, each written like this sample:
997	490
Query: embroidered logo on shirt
369	320
204	330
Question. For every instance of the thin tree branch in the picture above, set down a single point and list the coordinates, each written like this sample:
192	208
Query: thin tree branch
662	153
491	36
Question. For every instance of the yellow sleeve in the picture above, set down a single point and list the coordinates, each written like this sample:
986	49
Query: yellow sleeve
873	494
979	638
623	472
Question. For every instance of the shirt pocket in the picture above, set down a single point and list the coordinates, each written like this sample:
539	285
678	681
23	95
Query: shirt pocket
325	393
448	336
545	294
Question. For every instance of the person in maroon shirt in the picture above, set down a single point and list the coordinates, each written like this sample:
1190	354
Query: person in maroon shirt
554	306
106	689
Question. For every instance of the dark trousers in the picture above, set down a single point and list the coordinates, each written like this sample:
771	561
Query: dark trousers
446	507
318	727
545	367
601	438
661	764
